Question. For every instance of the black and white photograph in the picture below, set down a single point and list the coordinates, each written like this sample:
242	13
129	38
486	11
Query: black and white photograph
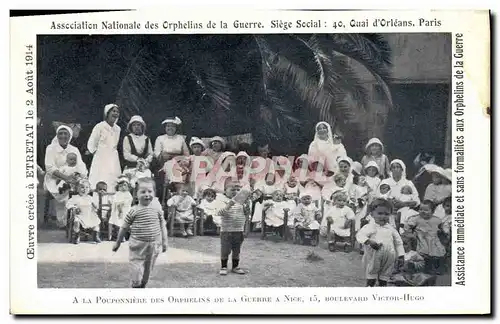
285	162
350	125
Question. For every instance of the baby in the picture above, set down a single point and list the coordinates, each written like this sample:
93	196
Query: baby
141	171
405	212
71	168
85	216
306	214
210	207
275	210
384	191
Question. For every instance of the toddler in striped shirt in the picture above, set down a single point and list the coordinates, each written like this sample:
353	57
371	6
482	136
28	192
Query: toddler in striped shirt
232	226
148	234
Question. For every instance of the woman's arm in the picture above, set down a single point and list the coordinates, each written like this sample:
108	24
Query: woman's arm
93	141
150	154
185	148
158	147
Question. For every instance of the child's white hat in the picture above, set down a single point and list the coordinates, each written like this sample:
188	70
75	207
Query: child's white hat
196	140
217	139
344	159
445	173
374	141
136	119
448	174
357	167
372	164
242	153
174	120
122	179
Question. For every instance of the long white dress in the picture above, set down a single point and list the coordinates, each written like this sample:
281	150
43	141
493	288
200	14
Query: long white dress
121	200
87	217
103	143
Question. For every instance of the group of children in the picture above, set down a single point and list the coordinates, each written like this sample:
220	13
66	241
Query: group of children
333	195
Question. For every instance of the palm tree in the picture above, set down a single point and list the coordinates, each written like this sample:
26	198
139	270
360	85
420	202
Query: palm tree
274	86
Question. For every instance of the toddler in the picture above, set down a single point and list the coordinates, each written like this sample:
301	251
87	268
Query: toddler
292	189
233	221
275	209
426	227
121	204
183	205
340	216
382	244
148	234
440	188
85	216
71	168
339	182
384	191
372	176
375	152
101	195
306	214
210	207
266	188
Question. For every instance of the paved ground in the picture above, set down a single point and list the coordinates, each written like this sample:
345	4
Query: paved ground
194	262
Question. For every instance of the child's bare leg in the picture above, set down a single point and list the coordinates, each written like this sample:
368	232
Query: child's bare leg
331	241
76	231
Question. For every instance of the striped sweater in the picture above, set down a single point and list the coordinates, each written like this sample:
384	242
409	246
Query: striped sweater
145	223
233	220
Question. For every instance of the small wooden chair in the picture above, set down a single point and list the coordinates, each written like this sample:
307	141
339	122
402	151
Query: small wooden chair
201	227
266	230
351	240
104	212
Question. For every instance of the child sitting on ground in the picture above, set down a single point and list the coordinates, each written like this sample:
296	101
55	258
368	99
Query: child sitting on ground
426	226
382	244
121	204
411	272
183	205
85	216
71	168
340	216
148	234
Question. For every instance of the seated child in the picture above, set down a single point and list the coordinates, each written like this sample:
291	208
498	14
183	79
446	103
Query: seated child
339	181
372	177
340	216
266	189
140	171
426	227
275	209
70	168
405	212
104	208
121	204
210	207
382	244
177	171
411	272
292	189
306	214
85	216
183	214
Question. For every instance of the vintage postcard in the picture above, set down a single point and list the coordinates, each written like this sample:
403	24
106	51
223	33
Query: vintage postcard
250	162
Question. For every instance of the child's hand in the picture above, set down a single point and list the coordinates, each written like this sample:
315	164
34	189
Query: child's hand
116	246
374	245
78	211
400	262
230	203
164	247
329	219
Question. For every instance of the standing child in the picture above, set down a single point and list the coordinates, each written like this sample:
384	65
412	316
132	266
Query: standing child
340	216
101	200
148	234
382	244
232	228
183	204
426	227
85	216
375	152
121	204
372	177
